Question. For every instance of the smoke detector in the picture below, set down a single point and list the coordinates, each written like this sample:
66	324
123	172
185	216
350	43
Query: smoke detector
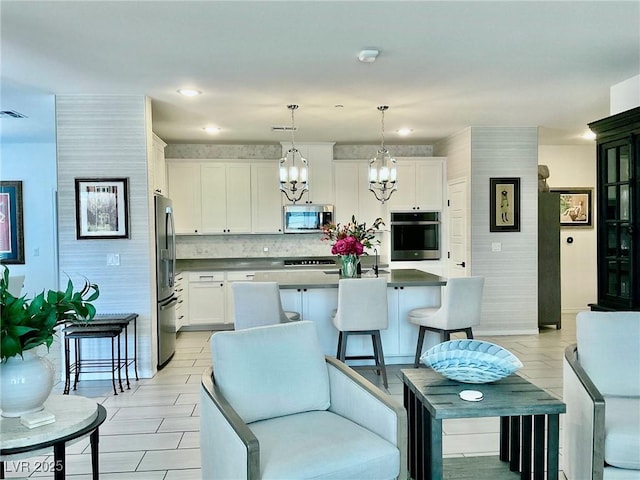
368	56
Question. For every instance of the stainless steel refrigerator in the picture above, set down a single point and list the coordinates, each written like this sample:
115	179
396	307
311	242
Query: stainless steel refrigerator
165	274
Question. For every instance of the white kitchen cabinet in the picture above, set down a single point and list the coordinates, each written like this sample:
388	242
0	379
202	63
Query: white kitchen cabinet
206	298
210	197
315	304
419	185
181	289
320	158
266	198
352	195
158	164
226	197
184	190
235	276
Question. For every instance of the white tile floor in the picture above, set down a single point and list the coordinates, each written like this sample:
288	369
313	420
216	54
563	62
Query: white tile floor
152	430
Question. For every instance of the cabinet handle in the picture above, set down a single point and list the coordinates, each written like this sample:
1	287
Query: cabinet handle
205	277
222	284
304	289
461	264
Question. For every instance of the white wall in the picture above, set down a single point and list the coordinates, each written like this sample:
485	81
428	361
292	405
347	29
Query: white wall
625	95
574	166
35	165
105	136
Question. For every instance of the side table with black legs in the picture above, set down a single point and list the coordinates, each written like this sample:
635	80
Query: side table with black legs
526	413
76	417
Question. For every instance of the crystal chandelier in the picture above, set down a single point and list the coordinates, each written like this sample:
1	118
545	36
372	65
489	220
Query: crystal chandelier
293	168
383	175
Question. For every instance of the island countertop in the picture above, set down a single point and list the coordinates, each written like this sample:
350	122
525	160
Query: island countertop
329	278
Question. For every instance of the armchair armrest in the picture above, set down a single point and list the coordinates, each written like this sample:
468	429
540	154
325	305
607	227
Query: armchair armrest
357	399
583	449
225	440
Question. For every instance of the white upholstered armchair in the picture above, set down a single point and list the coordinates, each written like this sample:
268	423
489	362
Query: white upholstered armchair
274	407
601	388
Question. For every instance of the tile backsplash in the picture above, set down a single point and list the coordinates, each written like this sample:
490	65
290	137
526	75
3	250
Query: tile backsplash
253	246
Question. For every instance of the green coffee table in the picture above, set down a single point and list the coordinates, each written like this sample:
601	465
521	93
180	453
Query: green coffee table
525	412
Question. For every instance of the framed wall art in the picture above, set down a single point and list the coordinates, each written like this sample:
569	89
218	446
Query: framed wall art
102	209
575	206
504	204
11	223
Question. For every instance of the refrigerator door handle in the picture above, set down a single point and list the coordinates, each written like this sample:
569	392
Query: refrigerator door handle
171	237
170	304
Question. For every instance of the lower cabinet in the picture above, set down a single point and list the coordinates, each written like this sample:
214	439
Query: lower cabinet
206	298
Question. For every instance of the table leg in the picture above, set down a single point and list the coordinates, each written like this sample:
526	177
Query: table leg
538	447
95	467
113	366
504	439
77	356
553	444
514	456
525	472
67	367
126	356
1	469
135	346
58	461
433	430
408	399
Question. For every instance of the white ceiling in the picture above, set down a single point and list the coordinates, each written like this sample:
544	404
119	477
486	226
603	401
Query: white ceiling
443	66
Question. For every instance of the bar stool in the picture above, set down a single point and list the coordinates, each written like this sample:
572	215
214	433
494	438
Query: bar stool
459	312
362	310
257	304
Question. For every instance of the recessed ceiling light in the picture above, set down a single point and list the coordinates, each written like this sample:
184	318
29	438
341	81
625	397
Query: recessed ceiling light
212	130
368	56
589	135
404	131
189	92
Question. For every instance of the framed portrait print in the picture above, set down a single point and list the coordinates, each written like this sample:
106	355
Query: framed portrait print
504	196
575	206
11	223
102	209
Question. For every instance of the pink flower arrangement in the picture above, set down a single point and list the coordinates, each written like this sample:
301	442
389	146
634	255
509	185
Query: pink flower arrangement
352	238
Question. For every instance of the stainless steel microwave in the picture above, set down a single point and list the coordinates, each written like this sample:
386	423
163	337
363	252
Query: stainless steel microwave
307	218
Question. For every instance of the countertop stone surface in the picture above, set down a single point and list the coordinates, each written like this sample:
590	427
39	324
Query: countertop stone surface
330	277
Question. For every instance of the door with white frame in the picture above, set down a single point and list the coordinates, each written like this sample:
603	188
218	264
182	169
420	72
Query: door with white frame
458	261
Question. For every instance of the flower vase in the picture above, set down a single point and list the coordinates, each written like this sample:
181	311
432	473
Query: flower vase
26	383
349	265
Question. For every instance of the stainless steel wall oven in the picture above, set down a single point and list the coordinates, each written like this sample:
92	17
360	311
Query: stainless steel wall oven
415	235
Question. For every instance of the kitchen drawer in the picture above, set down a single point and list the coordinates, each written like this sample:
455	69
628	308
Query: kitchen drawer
197	277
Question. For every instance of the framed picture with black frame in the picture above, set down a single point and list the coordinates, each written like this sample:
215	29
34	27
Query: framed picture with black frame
504	194
11	223
575	206
102	209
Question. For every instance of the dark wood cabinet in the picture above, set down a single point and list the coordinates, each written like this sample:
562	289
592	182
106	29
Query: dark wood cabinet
549	288
618	207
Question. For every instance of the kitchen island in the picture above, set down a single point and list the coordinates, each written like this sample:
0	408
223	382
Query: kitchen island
314	294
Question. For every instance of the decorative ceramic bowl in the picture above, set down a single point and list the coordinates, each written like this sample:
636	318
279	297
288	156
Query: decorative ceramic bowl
471	361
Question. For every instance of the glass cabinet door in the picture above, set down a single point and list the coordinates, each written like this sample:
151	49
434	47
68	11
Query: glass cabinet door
616	215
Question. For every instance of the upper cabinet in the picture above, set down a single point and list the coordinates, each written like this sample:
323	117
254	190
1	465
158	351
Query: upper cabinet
618	211
158	166
210	197
266	198
352	195
320	158
419	184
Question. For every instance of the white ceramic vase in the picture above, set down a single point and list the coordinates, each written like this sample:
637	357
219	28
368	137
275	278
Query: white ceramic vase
25	383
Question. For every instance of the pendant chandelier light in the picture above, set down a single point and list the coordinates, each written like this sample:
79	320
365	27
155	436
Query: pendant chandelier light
383	175
293	168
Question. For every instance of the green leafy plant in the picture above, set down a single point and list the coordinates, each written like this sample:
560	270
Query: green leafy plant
26	324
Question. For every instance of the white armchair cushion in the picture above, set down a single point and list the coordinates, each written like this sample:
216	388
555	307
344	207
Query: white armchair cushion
622	432
286	375
338	449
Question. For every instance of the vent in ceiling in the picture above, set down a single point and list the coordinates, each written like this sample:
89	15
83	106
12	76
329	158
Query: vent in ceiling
11	114
276	128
